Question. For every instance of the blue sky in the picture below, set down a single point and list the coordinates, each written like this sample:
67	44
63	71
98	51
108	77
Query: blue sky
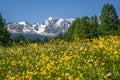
39	10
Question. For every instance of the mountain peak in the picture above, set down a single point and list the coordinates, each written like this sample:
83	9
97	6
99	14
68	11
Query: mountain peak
22	23
50	18
50	27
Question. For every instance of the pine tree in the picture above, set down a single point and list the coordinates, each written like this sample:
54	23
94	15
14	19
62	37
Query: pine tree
60	36
4	34
94	26
20	39
69	35
79	29
119	23
108	20
84	29
76	29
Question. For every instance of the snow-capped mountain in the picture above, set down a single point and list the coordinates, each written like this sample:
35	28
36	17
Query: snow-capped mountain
50	27
20	27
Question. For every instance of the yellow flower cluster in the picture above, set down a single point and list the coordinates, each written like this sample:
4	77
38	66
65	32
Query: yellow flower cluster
59	60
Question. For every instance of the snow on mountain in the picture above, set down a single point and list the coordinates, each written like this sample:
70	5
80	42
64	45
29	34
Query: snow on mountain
50	27
50	18
22	23
21	27
59	22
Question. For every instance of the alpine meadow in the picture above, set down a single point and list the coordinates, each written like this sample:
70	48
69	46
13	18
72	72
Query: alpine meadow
88	50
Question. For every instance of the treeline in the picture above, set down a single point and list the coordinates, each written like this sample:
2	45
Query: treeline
4	34
90	27
85	27
5	39
20	39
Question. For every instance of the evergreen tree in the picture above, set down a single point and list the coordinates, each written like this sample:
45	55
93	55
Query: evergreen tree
108	21
119	22
84	29
4	34
20	39
46	39
94	26
60	36
80	28
76	29
69	35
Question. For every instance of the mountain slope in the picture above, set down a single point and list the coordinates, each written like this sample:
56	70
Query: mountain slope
50	27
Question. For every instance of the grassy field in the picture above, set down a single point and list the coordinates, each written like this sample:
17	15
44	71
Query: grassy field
96	59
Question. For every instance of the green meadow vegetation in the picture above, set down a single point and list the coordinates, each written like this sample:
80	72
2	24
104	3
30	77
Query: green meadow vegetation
89	50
